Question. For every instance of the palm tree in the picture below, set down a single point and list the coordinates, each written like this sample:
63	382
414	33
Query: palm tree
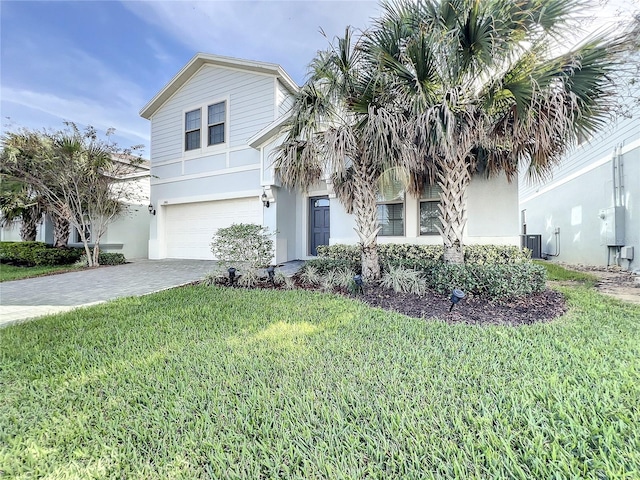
483	89
19	203
341	130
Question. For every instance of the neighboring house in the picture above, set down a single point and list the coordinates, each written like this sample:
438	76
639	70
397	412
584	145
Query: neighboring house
588	212
128	234
214	130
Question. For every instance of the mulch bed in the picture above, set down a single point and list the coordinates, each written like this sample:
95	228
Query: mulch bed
540	307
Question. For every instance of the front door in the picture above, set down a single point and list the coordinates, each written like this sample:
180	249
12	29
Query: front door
318	223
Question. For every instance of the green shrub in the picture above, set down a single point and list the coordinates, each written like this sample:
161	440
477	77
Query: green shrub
243	244
106	258
402	279
37	253
57	256
324	265
495	281
390	252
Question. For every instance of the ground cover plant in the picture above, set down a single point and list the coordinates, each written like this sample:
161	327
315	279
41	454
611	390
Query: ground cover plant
212	382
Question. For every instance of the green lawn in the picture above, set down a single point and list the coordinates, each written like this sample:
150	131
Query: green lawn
556	272
10	272
202	382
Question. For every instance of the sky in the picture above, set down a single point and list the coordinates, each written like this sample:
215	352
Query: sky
99	62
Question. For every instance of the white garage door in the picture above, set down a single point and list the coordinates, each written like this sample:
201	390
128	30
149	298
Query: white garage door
189	227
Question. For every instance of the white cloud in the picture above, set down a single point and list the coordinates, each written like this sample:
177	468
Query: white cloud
101	115
284	32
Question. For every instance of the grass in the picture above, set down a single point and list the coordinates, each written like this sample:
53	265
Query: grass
11	272
558	273
203	382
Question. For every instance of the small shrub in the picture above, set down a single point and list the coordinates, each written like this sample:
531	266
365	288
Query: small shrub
57	256
286	282
243	245
404	280
309	275
248	279
105	258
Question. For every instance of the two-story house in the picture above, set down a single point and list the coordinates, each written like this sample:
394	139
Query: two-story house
214	129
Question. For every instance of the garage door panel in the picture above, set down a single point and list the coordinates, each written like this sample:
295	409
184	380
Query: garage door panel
189	227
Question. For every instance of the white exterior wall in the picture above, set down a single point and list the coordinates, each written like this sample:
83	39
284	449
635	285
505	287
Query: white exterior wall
231	170
566	208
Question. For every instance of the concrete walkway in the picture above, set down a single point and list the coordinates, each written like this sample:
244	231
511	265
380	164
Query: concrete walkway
33	297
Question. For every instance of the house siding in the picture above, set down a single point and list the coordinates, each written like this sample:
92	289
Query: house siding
566	209
284	99
251	104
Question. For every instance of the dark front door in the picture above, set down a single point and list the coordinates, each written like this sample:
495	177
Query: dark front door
318	223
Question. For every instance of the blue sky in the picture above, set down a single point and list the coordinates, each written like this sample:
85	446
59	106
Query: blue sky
99	62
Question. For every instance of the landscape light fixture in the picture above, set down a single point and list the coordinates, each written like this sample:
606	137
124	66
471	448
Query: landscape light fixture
271	271
265	200
152	210
232	274
456	296
357	279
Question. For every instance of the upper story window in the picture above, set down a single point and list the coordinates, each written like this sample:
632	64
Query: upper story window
429	211
192	125
216	120
391	210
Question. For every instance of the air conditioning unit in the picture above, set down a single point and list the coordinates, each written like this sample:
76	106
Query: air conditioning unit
533	243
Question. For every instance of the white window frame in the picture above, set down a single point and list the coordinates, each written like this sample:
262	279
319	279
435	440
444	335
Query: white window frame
205	148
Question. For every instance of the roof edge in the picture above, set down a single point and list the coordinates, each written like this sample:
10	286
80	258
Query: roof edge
200	59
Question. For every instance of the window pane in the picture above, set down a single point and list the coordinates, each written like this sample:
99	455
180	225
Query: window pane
391	219
391	190
216	134
431	192
429	221
216	113
192	140
192	120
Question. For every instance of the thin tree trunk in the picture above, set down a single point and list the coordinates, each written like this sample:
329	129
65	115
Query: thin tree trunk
366	216
96	254
453	208
61	230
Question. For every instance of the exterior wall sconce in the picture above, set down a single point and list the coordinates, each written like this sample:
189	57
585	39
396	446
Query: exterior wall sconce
152	210
265	199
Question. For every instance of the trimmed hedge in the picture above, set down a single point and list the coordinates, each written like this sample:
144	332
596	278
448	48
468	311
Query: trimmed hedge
106	258
489	280
494	271
473	254
31	254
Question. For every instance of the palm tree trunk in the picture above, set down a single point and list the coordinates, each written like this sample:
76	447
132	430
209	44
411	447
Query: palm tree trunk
453	180
366	216
30	219
60	230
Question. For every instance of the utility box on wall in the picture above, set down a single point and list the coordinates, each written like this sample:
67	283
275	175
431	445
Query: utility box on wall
612	228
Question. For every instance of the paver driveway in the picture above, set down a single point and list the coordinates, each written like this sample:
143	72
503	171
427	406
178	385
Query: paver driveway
32	297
